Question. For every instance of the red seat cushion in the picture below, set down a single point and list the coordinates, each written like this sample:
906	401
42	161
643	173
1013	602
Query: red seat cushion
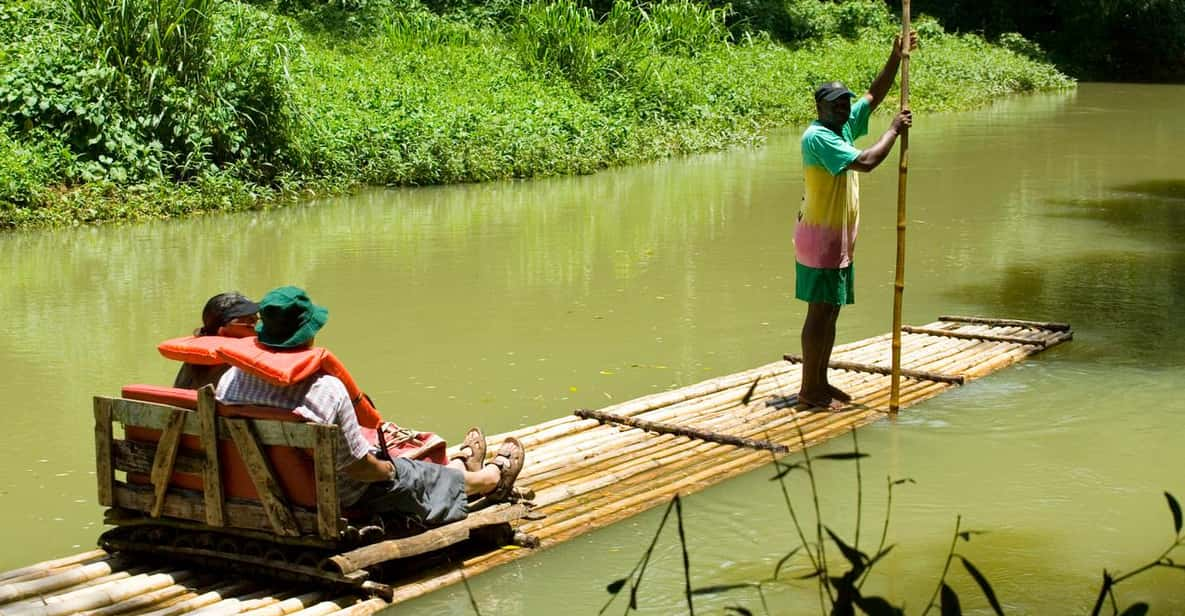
293	466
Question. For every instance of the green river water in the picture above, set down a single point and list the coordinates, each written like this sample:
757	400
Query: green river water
507	304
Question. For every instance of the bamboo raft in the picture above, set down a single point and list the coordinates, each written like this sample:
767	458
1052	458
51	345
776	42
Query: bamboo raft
587	470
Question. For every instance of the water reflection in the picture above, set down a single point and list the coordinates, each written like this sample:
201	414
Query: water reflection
1125	294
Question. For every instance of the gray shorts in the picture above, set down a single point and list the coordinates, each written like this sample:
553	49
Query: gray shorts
428	493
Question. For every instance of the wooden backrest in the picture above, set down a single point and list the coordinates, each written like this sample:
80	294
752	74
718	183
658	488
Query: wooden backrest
189	457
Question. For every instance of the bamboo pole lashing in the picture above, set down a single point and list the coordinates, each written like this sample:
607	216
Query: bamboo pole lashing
1048	325
678	430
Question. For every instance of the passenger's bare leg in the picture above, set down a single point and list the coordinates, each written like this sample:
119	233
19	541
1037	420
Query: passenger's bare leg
479	482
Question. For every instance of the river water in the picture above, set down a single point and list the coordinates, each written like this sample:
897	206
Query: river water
506	304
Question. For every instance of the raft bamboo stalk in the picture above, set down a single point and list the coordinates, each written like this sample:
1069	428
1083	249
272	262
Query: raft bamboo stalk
732	462
289	605
235	605
85	573
37	602
619	456
143	601
369	606
207	598
102	595
325	608
622	473
49	568
688	450
603	432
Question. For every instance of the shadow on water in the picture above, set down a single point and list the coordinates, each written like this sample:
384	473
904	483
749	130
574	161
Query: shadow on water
1130	300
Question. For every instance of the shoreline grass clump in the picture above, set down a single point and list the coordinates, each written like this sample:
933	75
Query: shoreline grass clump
109	105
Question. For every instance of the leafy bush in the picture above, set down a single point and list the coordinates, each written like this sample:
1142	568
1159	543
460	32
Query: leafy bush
161	88
1018	44
26	169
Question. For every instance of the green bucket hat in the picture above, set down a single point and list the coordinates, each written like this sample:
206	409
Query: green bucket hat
288	318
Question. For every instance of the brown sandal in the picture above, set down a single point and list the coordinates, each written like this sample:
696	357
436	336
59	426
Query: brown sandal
476	442
509	460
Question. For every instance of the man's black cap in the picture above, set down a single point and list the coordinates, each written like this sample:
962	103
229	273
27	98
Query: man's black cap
224	308
832	90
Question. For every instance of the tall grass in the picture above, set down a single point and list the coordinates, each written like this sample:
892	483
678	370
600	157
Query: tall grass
144	38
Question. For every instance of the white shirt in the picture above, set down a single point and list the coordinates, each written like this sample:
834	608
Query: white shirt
321	399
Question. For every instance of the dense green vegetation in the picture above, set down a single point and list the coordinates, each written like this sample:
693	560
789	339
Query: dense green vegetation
122	109
1120	40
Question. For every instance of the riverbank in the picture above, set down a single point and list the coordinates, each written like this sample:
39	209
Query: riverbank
284	107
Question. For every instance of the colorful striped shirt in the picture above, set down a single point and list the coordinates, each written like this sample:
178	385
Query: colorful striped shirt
825	235
322	399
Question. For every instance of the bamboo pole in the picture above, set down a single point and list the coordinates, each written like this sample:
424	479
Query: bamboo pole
209	597
52	567
899	283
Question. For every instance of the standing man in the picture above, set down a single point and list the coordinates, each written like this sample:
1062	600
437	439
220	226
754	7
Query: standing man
825	235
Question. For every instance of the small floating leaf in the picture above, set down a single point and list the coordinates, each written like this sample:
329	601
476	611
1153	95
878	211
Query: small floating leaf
906	480
749	394
1136	609
1175	507
983	585
950	602
615	586
736	609
849	455
966	535
711	590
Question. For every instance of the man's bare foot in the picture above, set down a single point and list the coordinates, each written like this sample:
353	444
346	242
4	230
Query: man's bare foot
839	394
823	401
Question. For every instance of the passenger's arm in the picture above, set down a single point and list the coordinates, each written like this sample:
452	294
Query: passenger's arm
370	469
872	157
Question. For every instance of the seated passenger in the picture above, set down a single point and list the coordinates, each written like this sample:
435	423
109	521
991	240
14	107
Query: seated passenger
428	493
228	314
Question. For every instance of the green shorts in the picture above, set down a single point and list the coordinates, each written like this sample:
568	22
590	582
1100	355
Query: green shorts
825	286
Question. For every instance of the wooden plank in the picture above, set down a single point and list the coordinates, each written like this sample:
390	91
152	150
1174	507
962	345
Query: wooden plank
104	470
189	505
162	462
271	495
155	416
427	541
668	428
212	475
325	470
1050	325
953	379
966	336
133	457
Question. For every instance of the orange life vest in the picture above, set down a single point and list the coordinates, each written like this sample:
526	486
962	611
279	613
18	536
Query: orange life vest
283	368
278	367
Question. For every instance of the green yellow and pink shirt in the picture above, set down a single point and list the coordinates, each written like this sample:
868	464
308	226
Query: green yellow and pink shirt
825	235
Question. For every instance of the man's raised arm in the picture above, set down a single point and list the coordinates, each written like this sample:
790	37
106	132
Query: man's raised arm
880	86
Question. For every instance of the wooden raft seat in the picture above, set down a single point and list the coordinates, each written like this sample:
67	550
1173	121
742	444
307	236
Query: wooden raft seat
269	471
